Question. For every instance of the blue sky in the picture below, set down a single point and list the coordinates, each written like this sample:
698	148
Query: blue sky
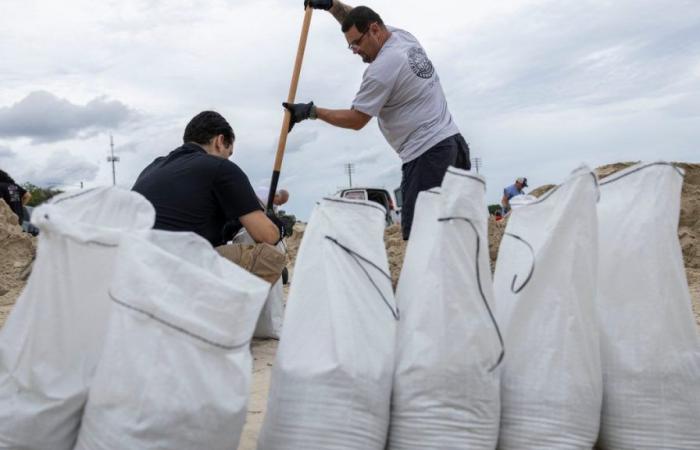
537	87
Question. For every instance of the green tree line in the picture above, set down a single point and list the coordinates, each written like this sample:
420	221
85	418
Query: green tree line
39	194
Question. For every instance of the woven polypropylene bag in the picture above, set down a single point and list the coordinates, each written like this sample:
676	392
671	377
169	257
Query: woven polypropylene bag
651	349
331	383
52	340
446	385
545	285
176	366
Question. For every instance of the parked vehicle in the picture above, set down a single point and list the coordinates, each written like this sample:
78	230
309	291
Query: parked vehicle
378	195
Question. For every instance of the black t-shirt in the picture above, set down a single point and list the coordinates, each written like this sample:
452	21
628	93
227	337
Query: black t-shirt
12	194
194	191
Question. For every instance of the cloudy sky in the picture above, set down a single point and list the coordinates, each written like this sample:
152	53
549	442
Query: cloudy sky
537	87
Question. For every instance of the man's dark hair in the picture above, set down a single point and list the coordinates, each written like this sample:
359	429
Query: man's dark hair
361	17
207	125
5	178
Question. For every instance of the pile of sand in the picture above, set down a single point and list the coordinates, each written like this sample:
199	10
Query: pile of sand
395	251
17	250
689	225
496	228
294	241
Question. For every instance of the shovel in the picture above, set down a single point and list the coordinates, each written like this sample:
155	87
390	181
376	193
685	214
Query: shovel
287	115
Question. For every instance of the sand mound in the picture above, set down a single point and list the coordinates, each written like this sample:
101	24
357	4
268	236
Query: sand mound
294	241
395	251
538	192
689	224
17	250
496	230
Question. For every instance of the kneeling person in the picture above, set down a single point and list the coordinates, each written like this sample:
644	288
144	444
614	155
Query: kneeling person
196	188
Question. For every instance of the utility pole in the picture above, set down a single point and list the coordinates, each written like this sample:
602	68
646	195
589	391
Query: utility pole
350	169
476	162
112	159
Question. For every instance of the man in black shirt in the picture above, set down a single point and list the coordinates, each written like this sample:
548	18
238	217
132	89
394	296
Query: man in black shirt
196	188
14	195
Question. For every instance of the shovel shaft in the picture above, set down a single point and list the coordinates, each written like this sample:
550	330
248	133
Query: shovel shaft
282	143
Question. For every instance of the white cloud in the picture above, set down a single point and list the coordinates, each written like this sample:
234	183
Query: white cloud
43	117
536	86
6	153
61	169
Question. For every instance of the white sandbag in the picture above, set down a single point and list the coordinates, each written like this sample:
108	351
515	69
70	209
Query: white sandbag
176	366
446	385
331	383
545	286
650	346
269	325
52	340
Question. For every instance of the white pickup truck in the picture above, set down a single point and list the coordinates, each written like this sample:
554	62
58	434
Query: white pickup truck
378	195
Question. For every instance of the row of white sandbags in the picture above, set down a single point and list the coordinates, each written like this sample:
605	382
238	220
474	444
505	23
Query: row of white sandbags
345	356
592	298
125	337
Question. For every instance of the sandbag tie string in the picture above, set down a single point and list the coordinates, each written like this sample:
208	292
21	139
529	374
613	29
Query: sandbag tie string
70	197
532	267
481	289
613	178
549	193
357	257
175	327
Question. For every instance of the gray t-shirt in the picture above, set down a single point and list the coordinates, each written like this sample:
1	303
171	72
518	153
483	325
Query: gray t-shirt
401	88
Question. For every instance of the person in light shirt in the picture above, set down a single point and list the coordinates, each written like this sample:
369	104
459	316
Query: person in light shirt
511	191
401	88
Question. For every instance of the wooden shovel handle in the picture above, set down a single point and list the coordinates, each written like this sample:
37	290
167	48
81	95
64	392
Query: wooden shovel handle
290	99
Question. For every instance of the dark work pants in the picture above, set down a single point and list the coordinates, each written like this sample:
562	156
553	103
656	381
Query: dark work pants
427	171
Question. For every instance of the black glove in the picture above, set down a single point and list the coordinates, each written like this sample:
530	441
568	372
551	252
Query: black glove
319	4
300	111
273	217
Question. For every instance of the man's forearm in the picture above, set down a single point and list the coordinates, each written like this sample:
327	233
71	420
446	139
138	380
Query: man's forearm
340	11
343	118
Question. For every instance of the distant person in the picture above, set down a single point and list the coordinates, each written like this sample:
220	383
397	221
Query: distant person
14	195
196	188
281	197
511	191
401	88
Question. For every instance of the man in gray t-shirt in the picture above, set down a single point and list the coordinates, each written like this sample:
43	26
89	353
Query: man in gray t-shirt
402	89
